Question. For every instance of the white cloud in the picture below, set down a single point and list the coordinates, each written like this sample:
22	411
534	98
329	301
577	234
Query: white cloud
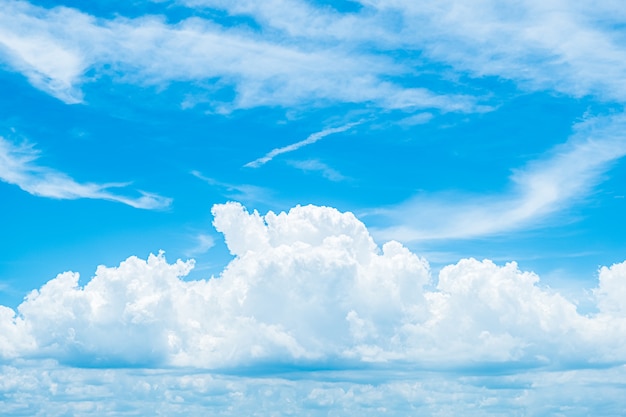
417	119
311	139
204	242
34	42
565	175
261	69
241	192
44	388
18	166
572	48
313	165
311	287
562	46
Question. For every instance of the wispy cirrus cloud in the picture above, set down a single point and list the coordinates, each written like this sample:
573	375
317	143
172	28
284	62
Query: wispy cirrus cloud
573	49
565	175
313	165
260	69
241	192
288	62
18	167
311	139
203	242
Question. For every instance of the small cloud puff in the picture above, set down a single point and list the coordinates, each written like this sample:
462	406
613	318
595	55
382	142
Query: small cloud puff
311	286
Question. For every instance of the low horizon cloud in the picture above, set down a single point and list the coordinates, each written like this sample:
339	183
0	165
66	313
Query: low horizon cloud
312	317
311	286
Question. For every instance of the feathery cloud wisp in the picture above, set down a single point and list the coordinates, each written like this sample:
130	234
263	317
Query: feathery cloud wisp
55	57
567	174
311	139
18	167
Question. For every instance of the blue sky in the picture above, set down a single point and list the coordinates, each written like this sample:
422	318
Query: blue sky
342	184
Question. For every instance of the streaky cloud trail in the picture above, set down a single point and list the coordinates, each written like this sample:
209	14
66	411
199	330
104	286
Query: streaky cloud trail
311	139
18	166
563	176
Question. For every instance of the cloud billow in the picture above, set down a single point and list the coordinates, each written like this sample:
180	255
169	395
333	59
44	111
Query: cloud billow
311	287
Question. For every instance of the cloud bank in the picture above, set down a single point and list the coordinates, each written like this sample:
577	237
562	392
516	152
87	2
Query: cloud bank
18	166
310	287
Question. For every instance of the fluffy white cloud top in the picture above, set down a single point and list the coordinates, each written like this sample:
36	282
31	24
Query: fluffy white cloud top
311	288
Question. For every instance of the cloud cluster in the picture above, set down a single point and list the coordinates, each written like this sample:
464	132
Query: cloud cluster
18	166
311	287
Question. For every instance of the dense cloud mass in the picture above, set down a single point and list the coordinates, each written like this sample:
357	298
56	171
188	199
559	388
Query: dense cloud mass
312	287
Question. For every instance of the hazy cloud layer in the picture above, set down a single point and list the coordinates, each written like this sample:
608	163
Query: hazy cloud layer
311	287
44	388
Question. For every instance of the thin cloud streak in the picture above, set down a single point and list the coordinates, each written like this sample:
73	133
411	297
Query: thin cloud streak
519	43
313	165
241	192
542	188
18	167
295	146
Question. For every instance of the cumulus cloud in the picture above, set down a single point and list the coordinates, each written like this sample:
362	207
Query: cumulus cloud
312	287
18	166
564	175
